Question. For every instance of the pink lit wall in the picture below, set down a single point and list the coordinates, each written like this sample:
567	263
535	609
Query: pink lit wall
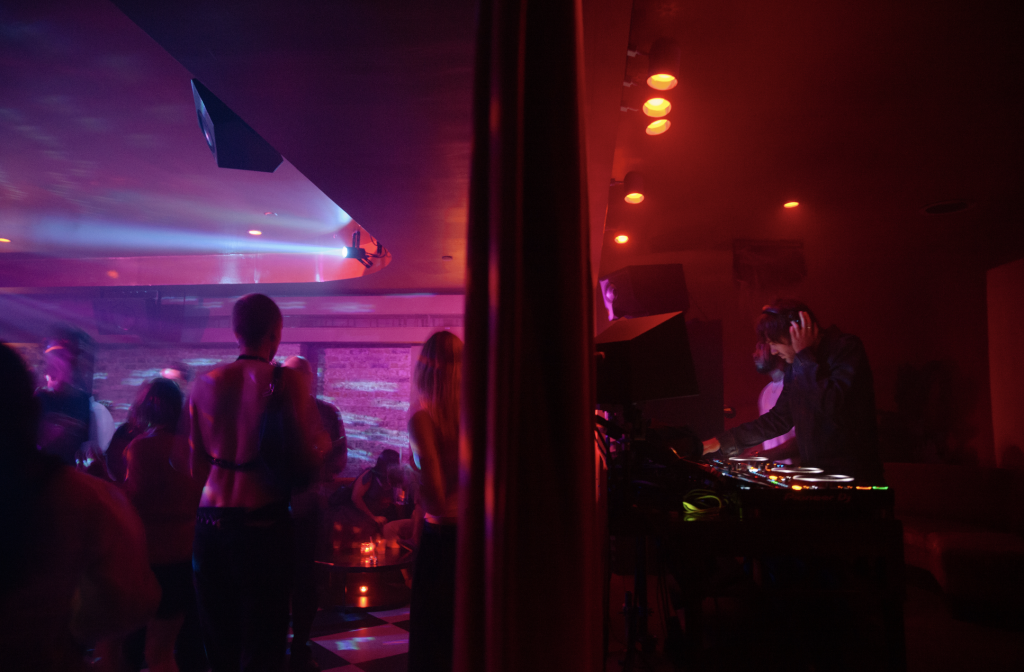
363	349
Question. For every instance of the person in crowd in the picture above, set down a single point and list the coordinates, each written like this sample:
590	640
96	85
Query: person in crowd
73	569
434	436
159	483
828	396
117	466
782	447
66	408
307	514
242	554
373	491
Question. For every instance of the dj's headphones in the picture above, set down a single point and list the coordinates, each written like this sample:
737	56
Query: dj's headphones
790	315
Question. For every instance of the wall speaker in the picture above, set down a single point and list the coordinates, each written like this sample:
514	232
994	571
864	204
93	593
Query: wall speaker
638	291
233	142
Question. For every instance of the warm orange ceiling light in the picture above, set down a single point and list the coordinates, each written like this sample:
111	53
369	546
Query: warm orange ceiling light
5	240
663	67
791	204
657	107
658	127
621	238
255	232
634	184
662	82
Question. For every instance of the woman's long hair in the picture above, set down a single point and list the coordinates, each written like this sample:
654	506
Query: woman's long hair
160	407
438	379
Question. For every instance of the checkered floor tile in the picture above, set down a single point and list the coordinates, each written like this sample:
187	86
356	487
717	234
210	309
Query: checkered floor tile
361	641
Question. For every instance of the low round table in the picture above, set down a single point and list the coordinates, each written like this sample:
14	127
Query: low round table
343	562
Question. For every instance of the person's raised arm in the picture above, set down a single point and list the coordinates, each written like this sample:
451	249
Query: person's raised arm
423	438
827	393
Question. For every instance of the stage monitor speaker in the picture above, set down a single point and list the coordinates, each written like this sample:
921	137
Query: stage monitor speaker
638	291
643	359
233	142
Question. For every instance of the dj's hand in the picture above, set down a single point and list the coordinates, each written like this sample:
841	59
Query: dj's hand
712	445
380	520
803	334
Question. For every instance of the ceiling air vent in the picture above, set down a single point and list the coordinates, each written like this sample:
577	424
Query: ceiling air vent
947	207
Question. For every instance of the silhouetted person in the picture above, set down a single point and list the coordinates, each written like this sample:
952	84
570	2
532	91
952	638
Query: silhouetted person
64	405
242	554
828	396
434	436
160	485
73	569
307	514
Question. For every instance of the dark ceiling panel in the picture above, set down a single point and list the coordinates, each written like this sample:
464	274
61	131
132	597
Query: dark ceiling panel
369	100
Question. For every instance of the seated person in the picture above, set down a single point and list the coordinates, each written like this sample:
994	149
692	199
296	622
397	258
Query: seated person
370	503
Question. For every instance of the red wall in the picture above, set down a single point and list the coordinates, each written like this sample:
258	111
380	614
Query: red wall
921	312
1006	340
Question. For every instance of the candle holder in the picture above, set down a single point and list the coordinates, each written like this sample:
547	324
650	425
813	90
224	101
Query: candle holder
367	548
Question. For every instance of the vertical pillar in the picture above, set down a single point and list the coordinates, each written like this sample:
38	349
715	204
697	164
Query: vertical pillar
529	592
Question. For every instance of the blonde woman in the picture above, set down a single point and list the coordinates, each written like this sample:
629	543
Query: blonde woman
434	435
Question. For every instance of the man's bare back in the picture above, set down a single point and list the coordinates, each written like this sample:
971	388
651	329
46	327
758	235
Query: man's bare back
226	406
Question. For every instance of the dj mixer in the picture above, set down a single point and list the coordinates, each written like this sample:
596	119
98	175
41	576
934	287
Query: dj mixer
762	488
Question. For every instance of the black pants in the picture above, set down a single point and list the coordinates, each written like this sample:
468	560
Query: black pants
242	561
432	612
304	597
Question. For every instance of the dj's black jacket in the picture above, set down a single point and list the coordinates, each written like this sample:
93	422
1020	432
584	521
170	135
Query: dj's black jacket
829	396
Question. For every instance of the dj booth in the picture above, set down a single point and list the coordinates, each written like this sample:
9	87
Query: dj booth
810	563
820	567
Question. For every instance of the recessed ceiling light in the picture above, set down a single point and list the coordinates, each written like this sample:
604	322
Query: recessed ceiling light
658	127
255	232
446	257
634	198
113	275
790	204
657	107
270	213
947	207
5	240
621	238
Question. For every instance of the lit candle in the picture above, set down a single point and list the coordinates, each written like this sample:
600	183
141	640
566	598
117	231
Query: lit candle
367	548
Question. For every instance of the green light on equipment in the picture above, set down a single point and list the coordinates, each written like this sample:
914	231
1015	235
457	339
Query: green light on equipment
880	487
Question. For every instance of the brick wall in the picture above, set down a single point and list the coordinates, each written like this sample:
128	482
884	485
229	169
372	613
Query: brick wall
371	388
120	372
369	385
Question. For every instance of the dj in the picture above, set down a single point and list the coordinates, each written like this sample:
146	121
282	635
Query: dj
828	396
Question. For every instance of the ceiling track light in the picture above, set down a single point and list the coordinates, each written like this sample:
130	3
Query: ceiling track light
634	186
663	64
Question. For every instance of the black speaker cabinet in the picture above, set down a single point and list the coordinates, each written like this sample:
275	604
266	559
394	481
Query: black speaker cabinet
232	141
638	291
645	358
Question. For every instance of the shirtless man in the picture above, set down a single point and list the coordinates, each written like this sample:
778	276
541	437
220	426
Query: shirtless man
242	551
